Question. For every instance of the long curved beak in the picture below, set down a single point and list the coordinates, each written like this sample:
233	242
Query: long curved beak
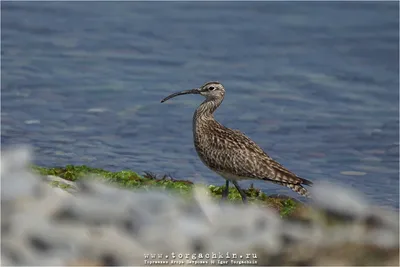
186	92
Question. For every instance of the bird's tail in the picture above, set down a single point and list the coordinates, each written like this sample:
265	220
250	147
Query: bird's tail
306	182
298	188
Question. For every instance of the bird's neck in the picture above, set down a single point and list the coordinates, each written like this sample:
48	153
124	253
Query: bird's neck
206	109
204	113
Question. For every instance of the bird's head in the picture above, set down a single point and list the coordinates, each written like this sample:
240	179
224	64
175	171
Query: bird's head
210	90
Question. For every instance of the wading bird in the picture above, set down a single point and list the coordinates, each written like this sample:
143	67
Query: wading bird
229	152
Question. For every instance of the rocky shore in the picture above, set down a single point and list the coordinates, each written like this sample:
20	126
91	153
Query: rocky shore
51	220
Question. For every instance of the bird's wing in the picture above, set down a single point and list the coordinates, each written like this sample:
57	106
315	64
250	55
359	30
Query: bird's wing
238	154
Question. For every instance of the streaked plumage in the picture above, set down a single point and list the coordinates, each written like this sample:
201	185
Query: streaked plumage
229	152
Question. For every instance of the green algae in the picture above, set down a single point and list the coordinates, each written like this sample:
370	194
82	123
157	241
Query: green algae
60	185
148	181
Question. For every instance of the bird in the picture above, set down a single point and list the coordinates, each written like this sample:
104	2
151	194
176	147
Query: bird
229	152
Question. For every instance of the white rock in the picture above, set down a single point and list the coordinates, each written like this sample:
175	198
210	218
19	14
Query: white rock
105	224
339	199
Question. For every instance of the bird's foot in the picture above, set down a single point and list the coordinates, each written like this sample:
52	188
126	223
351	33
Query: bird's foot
225	192
224	199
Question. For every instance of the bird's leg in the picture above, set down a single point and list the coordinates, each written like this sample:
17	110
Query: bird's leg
242	194
225	192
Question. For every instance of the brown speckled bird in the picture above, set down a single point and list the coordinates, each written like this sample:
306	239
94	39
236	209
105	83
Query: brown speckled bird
229	152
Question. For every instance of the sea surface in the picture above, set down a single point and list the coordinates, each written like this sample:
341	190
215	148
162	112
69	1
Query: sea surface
315	84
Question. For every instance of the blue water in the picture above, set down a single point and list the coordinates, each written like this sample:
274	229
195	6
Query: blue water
315	84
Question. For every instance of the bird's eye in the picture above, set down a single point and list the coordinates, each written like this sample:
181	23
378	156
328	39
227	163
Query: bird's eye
211	88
